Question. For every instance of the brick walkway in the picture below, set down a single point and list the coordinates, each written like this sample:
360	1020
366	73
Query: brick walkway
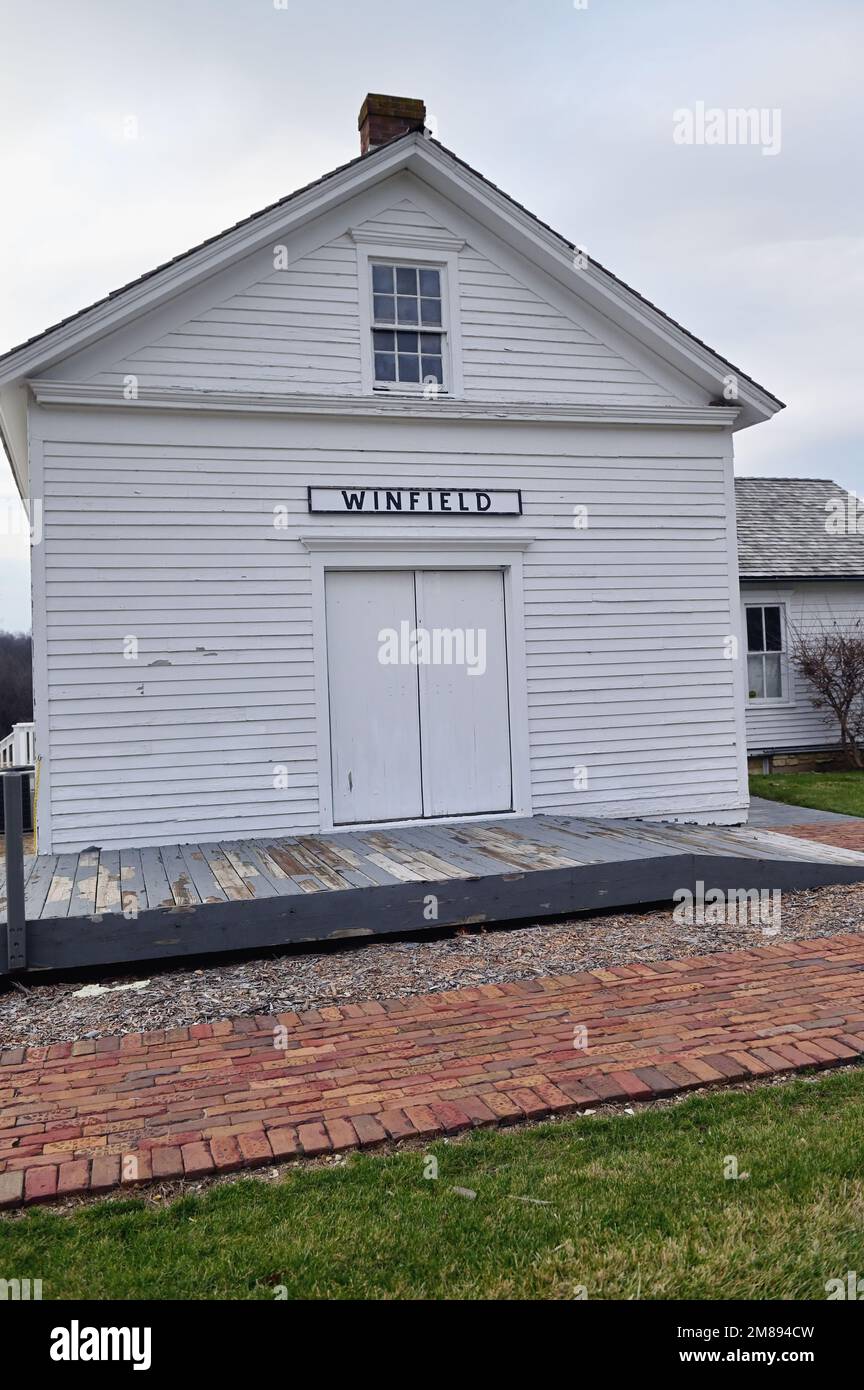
845	834
86	1116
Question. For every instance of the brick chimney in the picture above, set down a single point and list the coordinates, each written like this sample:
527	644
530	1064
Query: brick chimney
382	118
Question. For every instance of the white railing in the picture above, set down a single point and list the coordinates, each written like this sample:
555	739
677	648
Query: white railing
18	749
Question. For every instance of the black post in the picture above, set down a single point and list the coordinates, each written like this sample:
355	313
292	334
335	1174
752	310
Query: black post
16	922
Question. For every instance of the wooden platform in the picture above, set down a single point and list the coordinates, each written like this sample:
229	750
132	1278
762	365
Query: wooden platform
108	906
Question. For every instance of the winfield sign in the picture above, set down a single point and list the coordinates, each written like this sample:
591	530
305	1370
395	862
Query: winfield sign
417	501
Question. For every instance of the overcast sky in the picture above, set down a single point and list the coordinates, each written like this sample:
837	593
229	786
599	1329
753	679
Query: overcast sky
568	108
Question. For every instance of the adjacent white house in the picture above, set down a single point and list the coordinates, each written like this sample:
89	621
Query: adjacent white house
385	505
801	555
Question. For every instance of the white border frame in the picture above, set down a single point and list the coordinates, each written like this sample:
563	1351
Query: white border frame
427	254
431	555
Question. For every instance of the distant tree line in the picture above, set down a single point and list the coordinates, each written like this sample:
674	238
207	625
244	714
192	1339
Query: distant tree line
16	680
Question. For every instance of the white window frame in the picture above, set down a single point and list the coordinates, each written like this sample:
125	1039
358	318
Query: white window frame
426	256
786	695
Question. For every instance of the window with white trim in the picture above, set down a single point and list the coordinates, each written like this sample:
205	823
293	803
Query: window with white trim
766	650
408	330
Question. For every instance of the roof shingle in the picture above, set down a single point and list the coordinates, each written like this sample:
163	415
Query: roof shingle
782	532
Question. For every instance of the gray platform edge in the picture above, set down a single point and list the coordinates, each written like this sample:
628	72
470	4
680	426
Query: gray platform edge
377	911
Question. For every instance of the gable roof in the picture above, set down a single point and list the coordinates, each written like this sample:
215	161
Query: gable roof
451	176
782	530
333	173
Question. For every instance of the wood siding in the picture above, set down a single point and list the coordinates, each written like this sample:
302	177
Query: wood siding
160	526
794	722
298	329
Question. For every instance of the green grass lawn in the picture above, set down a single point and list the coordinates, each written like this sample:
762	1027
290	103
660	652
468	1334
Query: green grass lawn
826	791
626	1206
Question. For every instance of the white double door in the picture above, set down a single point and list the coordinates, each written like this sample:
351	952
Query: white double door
418	694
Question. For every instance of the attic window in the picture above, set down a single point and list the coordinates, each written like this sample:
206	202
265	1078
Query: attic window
408	336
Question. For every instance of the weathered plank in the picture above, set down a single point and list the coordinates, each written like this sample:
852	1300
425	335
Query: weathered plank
281	853
156	885
281	882
201	874
548	856
606	845
227	878
508	855
345	864
38	884
427	855
355	845
394	864
183	889
108	882
83	900
255	879
452	850
132	889
60	889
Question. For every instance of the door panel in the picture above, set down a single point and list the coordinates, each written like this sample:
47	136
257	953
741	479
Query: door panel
374	721
464	713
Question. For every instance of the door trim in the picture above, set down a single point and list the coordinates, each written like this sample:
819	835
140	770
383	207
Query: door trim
407	555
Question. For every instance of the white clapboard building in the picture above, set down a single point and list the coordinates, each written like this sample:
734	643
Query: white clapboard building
801	556
386	504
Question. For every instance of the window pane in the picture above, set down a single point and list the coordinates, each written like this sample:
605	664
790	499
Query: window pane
407	309
406	280
430	310
755	677
382	279
409	368
431	366
430	283
431	342
383	307
406	342
773	630
385	366
773	680
383	340
754	630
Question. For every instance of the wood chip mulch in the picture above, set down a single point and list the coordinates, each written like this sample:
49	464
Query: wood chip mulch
299	980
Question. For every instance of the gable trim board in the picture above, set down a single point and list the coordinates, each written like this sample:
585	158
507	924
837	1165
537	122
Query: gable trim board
48	392
159	524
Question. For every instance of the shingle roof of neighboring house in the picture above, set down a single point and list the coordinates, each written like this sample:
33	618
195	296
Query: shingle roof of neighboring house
782	531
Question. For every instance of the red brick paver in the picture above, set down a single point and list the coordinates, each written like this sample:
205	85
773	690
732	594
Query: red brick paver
187	1102
842	834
